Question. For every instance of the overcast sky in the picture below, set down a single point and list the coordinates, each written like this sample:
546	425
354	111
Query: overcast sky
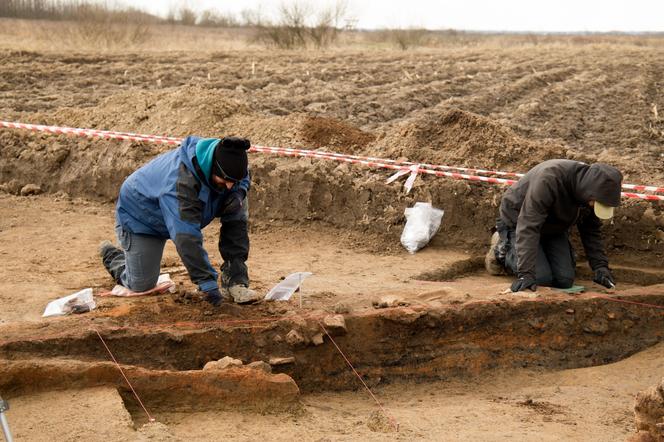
480	15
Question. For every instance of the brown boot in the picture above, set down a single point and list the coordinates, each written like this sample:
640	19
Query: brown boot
491	263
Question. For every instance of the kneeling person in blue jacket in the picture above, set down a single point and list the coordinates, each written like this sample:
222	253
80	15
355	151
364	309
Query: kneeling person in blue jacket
175	196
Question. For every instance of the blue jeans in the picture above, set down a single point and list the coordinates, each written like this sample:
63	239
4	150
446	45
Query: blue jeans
142	259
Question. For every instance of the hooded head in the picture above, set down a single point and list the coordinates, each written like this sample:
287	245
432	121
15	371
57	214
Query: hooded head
600	183
230	158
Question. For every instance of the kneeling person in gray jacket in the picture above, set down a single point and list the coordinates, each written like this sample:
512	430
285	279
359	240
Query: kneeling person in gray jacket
536	214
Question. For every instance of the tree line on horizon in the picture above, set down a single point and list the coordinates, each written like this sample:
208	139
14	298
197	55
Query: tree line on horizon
297	24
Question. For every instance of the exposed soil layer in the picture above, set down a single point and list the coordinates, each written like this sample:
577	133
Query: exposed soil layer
595	403
456	329
232	388
397	343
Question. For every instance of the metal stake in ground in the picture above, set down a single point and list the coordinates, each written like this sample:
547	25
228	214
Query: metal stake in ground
4	406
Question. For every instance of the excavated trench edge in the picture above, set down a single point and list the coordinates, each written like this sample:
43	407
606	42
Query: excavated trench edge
422	344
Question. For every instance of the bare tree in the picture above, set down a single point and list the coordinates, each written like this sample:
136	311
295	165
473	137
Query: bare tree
299	25
187	16
71	10
212	18
251	17
326	28
293	22
407	38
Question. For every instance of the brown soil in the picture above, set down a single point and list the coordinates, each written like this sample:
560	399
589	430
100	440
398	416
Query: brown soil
456	137
510	365
649	411
444	329
504	109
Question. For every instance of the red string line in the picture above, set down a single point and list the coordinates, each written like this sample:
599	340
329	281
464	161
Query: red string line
643	304
392	420
150	418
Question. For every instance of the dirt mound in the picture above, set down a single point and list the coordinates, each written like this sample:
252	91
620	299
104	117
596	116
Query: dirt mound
299	130
321	132
479	336
174	112
465	139
208	112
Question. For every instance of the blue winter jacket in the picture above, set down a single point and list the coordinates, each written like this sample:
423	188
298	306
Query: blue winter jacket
170	197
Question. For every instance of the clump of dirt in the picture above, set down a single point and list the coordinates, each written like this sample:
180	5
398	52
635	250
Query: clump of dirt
299	130
649	414
378	422
465	139
329	132
77	166
541	407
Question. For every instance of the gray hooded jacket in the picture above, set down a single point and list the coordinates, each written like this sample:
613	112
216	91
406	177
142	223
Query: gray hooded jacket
552	197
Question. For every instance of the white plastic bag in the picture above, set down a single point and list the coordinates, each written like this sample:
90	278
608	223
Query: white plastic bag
79	301
285	289
422	223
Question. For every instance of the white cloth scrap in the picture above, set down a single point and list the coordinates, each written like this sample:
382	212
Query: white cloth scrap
164	284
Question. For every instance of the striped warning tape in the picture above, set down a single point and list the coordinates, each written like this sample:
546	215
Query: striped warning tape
470	174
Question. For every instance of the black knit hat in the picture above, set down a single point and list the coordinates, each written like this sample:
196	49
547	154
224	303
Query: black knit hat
230	158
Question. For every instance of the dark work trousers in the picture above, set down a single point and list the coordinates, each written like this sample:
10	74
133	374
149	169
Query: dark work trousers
234	247
555	266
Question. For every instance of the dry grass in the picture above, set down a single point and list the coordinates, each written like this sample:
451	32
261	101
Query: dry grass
44	35
93	36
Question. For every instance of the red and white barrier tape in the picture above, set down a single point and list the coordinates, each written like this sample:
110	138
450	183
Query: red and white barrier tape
403	167
92	133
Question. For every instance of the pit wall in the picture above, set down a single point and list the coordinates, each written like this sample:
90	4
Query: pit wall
385	345
304	190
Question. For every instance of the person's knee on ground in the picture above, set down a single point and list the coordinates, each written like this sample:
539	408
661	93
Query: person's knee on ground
545	280
543	274
550	277
562	262
562	282
140	284
563	278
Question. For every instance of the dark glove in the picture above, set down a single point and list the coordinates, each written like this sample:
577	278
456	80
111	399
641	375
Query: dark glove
604	277
233	202
213	297
236	142
524	283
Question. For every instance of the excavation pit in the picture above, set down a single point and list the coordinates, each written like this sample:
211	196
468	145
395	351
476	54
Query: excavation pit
449	340
447	329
